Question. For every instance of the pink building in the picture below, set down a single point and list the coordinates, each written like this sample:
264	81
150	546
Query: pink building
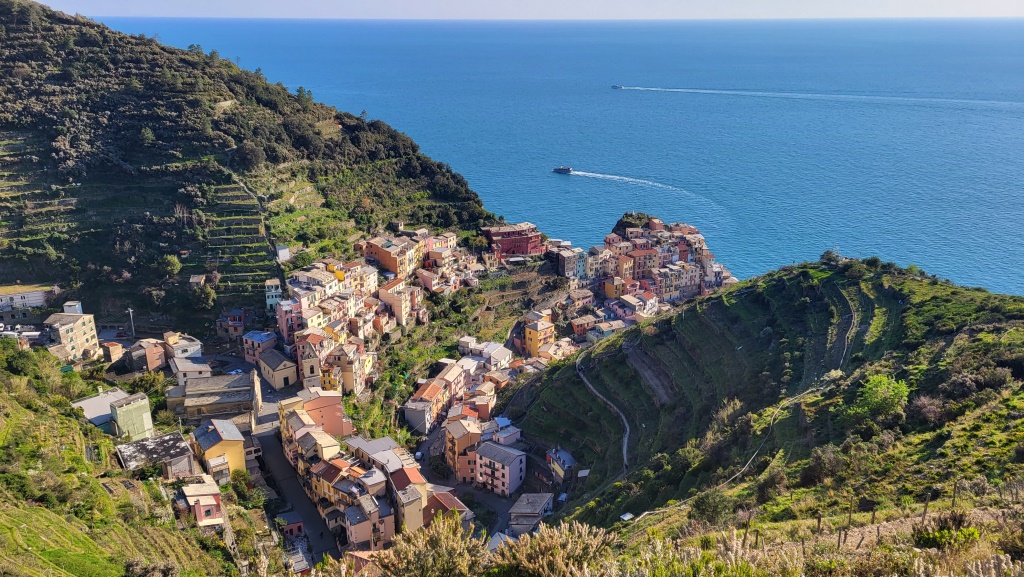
254	343
290	319
327	410
202	500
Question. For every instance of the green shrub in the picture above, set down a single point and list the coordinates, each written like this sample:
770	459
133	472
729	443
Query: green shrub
826	461
880	399
712	507
950	531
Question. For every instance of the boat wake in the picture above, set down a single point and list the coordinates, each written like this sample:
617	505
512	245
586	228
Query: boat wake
625	179
835	97
701	204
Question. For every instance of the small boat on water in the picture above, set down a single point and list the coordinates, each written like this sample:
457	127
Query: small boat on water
562	170
617	86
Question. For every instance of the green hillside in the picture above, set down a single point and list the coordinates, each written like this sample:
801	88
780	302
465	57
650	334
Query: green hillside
701	389
116	151
64	509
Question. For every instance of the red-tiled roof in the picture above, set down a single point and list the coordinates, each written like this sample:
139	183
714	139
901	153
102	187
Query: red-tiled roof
392	284
402	478
449	502
466	411
428	391
331	473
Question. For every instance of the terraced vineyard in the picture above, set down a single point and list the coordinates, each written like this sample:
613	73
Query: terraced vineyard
699	387
28	209
119	155
237	246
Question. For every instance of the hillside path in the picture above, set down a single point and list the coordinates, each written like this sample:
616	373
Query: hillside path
625	437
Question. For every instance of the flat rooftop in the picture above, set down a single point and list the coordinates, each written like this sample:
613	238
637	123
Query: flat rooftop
153	450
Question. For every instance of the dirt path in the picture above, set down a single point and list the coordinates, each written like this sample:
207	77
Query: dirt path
658	381
845	332
625	423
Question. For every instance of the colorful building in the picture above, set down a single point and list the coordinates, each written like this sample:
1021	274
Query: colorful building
537	334
254	343
521	239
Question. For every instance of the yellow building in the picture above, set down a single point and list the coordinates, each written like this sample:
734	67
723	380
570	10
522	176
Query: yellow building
538	334
220	445
614	287
277	369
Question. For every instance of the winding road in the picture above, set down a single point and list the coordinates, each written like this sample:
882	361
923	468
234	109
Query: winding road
625	438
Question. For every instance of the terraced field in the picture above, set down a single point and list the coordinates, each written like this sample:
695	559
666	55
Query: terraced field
53	459
699	387
237	246
29	209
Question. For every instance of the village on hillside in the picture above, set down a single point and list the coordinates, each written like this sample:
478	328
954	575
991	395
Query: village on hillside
268	399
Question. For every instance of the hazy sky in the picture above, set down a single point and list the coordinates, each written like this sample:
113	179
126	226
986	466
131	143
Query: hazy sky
545	9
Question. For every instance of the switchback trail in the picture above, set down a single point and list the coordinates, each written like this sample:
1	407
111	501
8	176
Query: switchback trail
625	437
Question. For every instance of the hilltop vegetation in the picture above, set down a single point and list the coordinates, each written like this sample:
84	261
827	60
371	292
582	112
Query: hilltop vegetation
800	392
116	151
446	549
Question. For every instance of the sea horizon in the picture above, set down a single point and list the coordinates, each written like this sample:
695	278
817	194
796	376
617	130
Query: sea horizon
778	138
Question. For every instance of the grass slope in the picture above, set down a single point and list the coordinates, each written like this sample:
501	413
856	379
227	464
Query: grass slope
63	509
699	389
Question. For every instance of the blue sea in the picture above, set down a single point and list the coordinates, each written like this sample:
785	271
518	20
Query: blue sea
779	140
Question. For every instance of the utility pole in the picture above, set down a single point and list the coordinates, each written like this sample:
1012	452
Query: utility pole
131	318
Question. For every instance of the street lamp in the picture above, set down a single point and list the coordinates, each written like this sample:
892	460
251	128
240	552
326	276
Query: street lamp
131	318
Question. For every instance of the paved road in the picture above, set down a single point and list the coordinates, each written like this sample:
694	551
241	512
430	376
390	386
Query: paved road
625	438
290	489
496	503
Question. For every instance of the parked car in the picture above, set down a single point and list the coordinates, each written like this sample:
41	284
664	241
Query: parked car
235	372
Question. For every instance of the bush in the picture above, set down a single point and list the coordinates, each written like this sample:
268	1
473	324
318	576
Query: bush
826	462
1011	539
853	269
950	531
568	549
711	507
444	549
771	484
959	386
926	409
880	399
995	377
825	567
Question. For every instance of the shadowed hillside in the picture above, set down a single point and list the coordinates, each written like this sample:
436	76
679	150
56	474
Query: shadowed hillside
117	151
